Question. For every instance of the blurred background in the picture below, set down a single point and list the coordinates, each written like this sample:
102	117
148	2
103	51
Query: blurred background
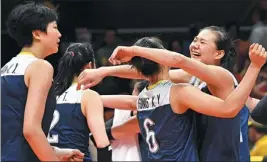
109	23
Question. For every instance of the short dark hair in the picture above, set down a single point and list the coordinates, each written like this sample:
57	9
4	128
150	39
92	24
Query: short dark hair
141	85
147	67
25	18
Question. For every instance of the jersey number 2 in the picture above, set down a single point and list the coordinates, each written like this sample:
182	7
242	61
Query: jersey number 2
53	138
150	136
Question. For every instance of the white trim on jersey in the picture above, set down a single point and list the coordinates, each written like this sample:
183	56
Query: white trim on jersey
17	65
155	97
70	96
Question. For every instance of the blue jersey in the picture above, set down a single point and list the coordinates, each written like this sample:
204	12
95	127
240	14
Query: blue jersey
69	127
143	148
13	100
222	139
244	153
169	136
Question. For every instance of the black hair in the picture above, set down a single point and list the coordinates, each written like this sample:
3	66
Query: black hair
71	64
224	42
25	18
141	85
147	67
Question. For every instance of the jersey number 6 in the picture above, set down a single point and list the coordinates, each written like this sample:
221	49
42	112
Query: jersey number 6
150	136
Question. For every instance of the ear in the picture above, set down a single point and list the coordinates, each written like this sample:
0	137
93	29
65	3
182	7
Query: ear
219	54
36	34
88	66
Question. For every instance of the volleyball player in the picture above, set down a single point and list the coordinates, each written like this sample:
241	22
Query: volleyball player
78	112
213	47
28	99
156	104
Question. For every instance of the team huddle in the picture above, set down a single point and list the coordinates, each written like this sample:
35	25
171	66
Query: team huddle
198	112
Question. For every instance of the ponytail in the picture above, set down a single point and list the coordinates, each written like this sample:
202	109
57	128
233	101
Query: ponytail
229	59
76	57
65	74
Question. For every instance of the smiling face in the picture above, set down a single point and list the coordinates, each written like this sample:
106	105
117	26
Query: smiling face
203	48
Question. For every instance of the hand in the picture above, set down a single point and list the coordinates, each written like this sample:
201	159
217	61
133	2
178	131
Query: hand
121	54
89	78
65	154
257	55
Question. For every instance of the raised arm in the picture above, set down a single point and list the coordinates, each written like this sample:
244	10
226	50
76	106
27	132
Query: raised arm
213	106
123	102
208	73
91	77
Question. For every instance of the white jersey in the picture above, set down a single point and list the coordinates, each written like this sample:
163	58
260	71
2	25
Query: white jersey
126	149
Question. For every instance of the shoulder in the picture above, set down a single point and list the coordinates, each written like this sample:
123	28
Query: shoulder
40	65
179	88
225	76
89	95
89	92
39	70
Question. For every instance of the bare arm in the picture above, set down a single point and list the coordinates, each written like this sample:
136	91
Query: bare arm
38	82
91	77
214	106
93	110
122	71
128	128
211	74
179	76
123	102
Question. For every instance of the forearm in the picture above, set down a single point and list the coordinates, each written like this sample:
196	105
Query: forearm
129	128
173	59
161	56
37	138
97	127
122	71
259	114
236	100
124	102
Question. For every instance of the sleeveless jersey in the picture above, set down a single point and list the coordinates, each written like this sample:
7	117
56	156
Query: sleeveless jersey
169	136
13	101
69	127
222	139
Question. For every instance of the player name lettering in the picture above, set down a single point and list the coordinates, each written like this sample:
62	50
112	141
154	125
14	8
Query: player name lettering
149	102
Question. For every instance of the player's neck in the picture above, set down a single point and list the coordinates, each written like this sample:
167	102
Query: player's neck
163	75
35	50
75	80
